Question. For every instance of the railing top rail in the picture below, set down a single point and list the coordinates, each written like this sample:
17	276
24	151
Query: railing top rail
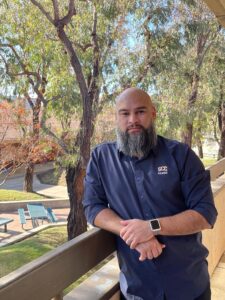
51	273
217	169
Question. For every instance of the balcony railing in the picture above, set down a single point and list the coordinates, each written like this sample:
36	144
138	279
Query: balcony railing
46	277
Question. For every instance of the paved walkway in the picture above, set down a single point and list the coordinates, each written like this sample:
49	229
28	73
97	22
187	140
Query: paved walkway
16	183
55	191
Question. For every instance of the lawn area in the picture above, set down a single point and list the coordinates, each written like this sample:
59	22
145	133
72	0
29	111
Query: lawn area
11	195
14	256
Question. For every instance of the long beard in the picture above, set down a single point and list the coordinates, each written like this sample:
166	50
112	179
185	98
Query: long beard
137	145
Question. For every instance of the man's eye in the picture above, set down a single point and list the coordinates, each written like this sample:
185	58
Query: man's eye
141	111
125	114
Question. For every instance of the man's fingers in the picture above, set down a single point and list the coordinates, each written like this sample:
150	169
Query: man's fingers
126	236
128	242
156	252
124	222
142	257
133	244
150	255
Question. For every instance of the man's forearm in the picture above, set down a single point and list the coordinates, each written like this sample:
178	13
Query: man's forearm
107	219
137	231
187	222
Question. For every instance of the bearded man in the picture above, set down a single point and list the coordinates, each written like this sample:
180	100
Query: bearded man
155	195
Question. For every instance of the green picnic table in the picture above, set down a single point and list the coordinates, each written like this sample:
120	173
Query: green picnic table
4	222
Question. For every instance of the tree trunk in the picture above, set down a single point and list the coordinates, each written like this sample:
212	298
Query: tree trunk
29	169
187	134
28	178
77	223
221	119
200	149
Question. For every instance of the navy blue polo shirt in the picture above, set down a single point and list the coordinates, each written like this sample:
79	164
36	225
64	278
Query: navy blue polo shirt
170	180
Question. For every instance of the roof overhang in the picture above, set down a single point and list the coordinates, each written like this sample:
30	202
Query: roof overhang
218	8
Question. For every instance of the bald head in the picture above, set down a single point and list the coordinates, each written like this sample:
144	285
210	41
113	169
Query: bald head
134	93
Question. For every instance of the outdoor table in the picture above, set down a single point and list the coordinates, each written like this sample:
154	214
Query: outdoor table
4	222
37	211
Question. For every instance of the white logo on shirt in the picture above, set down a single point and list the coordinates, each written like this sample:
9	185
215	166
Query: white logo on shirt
162	170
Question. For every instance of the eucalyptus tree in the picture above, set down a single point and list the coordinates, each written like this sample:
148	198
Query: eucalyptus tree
87	30
26	64
182	81
214	76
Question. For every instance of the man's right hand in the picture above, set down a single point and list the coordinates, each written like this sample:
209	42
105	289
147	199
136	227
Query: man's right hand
150	249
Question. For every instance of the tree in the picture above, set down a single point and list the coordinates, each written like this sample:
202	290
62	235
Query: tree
88	56
26	68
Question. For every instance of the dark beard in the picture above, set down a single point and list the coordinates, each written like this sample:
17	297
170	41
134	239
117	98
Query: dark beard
137	145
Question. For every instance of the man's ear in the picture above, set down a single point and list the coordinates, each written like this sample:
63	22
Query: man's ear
154	113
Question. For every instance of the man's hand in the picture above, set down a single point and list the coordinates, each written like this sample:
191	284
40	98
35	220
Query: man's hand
135	231
150	249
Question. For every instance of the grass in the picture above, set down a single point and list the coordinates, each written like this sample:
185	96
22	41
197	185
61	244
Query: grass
11	195
14	256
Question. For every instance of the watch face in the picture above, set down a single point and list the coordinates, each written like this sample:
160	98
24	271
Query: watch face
155	224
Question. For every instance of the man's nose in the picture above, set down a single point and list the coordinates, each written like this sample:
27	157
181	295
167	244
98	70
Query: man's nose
133	119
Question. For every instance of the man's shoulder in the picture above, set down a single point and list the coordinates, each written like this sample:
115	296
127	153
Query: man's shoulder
105	147
181	153
172	145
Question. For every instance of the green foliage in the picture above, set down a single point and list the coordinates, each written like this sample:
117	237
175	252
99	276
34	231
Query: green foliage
150	44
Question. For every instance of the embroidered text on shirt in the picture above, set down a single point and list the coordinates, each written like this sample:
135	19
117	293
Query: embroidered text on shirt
162	170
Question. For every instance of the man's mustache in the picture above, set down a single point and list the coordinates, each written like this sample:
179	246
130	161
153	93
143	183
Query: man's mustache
135	127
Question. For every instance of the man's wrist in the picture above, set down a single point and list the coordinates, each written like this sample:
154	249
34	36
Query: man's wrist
155	226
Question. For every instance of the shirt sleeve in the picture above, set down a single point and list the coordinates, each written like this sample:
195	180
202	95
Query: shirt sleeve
94	199
196	188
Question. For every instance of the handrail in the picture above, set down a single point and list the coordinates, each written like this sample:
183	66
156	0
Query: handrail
217	169
49	275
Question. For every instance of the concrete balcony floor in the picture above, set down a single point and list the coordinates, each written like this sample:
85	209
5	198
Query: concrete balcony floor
218	280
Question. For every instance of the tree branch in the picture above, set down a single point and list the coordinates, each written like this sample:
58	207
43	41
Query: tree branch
56	9
71	12
50	133
41	8
83	48
29	100
96	56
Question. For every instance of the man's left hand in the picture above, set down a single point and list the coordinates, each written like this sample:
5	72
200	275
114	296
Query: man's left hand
135	231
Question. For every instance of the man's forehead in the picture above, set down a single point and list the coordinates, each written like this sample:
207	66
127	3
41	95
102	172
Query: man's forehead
133	97
125	108
132	103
